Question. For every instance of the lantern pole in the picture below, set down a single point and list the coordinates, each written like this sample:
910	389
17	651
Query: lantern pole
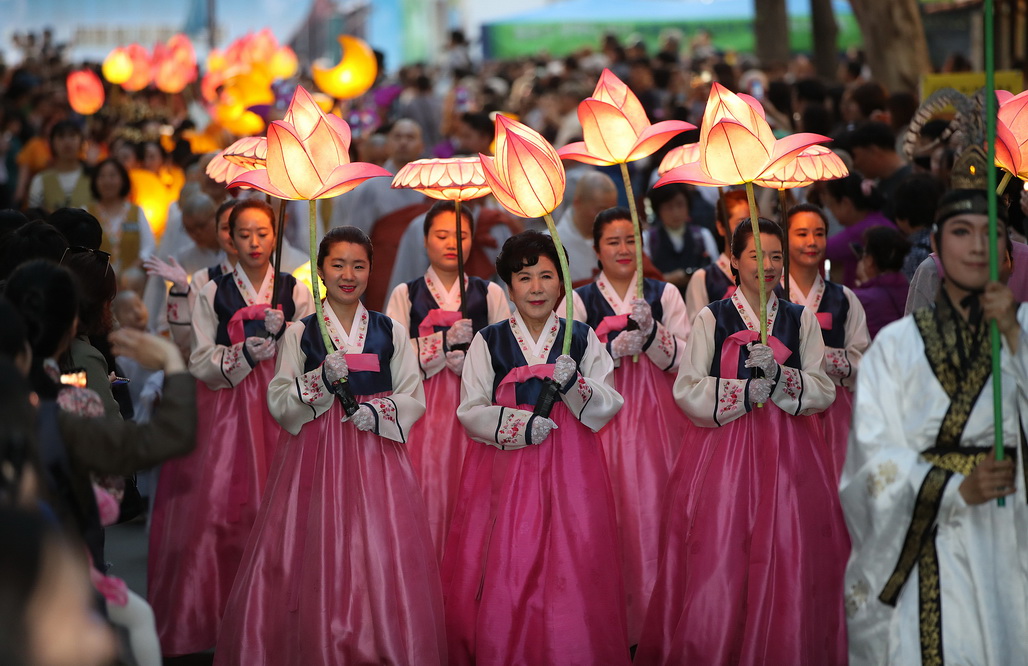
990	131
460	261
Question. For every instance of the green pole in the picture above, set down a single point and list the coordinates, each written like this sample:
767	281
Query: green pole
562	258
312	212
990	131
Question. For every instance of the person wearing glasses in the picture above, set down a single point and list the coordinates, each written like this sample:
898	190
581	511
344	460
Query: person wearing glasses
205	504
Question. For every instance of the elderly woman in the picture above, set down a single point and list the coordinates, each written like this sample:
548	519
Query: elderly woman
533	545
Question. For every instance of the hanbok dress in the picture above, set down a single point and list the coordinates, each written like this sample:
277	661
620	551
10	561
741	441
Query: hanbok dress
438	442
340	568
642	441
931	579
844	331
531	573
754	543
206	502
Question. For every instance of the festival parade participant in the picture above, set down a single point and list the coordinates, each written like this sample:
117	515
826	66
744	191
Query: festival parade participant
441	326
754	546
839	314
206	502
340	568
531	572
642	441
937	572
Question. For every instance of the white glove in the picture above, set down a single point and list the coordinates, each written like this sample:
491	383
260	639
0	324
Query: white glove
363	418
273	321
335	367
455	362
564	369
642	314
260	349
763	357
171	271
760	390
459	334
627	343
541	429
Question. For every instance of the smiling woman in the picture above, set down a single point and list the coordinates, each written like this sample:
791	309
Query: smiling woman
359	582
533	542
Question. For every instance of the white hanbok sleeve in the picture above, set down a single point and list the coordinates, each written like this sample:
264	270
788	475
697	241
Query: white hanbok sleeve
668	343
577	307
499	306
806	390
431	356
296	397
709	401
696	294
709	243
502	427
590	394
303	301
397	412
842	364
217	366
180	310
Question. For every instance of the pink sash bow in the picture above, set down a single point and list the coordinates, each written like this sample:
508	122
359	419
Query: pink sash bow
505	392
236	332
825	319
437	317
734	344
610	325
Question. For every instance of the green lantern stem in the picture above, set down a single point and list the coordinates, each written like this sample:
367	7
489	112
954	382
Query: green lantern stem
755	223
562	258
990	131
637	230
315	280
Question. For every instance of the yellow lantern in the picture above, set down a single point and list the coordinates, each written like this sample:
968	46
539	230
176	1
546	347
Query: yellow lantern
355	73
117	67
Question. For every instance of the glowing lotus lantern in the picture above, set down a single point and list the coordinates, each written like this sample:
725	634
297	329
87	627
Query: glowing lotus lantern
1012	137
141	70
283	63
174	64
355	73
243	155
455	179
528	179
308	157
676	157
117	67
738	147
617	131
813	164
85	92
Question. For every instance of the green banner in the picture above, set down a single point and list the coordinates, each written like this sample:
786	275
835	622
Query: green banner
513	40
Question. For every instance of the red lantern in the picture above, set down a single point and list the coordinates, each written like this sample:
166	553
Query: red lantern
85	92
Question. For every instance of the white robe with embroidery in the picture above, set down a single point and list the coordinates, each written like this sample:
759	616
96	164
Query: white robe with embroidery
982	550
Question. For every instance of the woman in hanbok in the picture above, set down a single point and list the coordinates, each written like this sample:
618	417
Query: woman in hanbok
206	502
340	567
938	570
754	543
531	573
839	314
646	337
430	308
